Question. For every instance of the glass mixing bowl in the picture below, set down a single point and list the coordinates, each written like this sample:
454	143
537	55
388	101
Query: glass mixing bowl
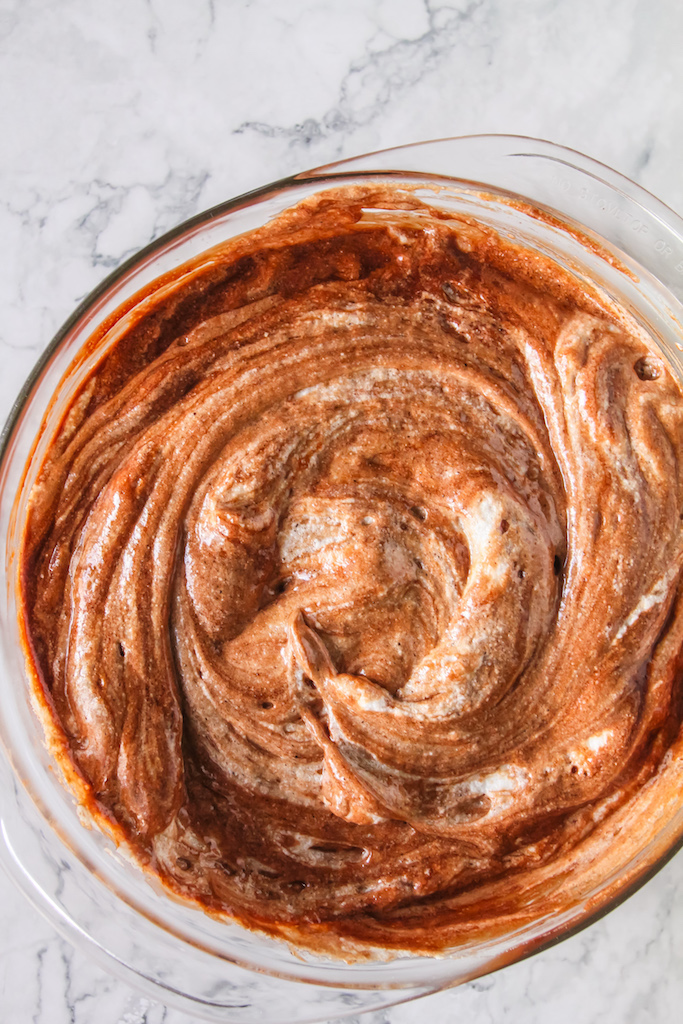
543	196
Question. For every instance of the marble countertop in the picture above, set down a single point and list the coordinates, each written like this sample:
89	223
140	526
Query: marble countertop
120	120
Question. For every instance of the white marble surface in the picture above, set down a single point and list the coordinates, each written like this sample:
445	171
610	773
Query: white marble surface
118	120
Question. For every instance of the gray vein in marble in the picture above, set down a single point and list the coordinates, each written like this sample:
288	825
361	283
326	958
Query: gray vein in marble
378	77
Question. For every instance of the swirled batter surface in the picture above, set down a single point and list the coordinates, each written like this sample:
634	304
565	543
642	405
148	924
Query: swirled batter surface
351	580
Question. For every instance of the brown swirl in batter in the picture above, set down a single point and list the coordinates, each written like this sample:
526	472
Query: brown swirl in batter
351	580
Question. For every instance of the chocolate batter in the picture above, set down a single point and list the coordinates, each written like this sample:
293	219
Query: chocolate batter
351	580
